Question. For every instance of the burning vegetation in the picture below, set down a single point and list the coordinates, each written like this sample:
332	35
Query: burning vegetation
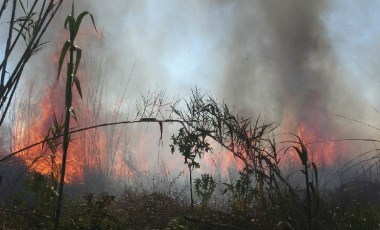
217	166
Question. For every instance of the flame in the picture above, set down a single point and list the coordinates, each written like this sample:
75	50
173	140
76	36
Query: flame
221	162
316	132
89	151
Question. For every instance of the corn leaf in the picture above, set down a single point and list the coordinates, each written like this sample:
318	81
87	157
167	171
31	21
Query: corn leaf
77	85
64	50
70	20
315	173
77	59
302	154
79	19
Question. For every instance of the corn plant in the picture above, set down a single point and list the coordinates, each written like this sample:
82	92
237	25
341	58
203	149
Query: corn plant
302	152
72	24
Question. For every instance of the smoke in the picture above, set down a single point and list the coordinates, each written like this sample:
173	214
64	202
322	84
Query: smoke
279	57
266	57
281	64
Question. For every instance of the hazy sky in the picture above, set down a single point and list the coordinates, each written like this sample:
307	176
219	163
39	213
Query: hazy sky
354	29
179	44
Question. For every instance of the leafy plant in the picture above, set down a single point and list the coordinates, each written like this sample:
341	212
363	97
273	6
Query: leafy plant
242	193
191	143
204	188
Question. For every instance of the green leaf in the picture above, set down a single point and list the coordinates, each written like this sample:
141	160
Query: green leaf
70	20
315	172
77	59
79	21
72	8
64	50
77	85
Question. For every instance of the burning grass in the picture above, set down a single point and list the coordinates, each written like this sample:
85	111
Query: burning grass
244	185
258	195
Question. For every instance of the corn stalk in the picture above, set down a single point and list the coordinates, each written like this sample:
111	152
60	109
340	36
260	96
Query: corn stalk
302	152
72	24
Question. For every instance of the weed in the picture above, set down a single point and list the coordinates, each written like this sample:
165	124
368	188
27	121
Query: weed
204	188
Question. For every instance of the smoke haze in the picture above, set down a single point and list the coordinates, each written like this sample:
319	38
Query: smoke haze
276	59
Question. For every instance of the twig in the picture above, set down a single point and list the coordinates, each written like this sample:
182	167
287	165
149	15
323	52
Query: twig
92	127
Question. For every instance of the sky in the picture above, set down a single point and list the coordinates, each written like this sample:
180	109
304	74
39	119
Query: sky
355	30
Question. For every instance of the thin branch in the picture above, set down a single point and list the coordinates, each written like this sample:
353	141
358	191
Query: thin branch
92	127
3	7
7	52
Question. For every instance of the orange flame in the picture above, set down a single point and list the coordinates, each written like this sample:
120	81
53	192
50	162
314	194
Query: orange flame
317	134
88	151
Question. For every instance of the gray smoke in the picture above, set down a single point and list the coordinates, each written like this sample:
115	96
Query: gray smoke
281	65
279	57
269	57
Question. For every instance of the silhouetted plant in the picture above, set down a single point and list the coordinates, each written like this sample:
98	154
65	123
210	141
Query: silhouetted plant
242	193
246	139
98	210
302	152
191	144
204	188
28	22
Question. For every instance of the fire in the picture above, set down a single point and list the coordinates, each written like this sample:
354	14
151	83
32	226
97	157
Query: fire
221	162
319	153
91	151
316	132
